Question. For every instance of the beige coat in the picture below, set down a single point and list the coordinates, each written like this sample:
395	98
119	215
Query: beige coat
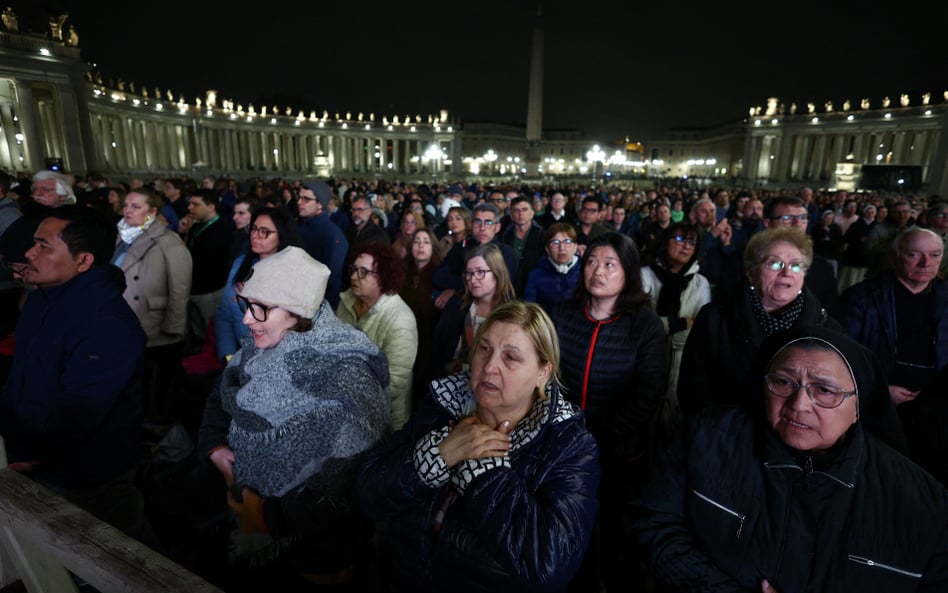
390	323
157	271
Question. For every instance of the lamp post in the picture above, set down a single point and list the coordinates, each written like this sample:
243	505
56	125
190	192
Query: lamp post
596	156
491	157
433	155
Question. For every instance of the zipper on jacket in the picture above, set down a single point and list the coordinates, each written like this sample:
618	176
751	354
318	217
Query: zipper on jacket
740	524
868	562
807	471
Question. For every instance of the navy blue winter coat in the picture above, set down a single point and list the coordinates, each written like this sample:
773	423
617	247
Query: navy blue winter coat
73	401
547	287
869	317
520	523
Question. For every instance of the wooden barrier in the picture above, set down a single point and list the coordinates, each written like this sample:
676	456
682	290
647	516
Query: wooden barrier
42	535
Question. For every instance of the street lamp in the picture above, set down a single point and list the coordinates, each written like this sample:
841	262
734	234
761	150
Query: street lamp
596	156
490	157
433	155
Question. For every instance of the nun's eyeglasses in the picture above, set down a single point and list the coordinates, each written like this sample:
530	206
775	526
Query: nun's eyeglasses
821	394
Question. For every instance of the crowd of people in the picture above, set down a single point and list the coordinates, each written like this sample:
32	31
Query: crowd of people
422	387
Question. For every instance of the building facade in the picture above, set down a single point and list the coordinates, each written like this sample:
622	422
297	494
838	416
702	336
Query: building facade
56	111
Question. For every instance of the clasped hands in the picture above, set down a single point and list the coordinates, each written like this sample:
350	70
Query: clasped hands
471	439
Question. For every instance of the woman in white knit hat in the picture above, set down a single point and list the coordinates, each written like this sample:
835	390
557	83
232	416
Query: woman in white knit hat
295	408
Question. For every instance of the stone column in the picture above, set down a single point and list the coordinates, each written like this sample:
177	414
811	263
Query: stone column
818	167
29	127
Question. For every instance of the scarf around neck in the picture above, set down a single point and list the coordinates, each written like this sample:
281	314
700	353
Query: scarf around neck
129	233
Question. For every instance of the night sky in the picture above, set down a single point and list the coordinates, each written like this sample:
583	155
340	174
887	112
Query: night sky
613	69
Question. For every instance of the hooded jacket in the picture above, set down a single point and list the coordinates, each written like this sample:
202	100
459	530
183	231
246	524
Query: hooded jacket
733	505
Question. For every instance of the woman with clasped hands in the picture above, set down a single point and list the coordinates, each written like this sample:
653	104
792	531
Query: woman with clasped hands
491	486
798	492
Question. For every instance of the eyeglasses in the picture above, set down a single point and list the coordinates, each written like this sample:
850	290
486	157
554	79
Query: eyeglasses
479	274
778	264
821	394
590	210
498	200
558	242
257	311
361	273
480	222
262	231
789	218
305	199
686	241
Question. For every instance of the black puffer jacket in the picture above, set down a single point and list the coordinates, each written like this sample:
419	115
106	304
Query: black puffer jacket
615	370
735	505
518	523
722	344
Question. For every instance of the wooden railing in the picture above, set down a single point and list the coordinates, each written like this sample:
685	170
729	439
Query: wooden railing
43	535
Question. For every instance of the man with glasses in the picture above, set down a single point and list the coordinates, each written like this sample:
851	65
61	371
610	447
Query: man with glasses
485	223
557	212
500	201
362	229
525	237
589	227
322	239
556	275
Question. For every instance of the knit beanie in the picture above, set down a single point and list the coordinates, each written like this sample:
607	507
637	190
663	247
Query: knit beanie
289	279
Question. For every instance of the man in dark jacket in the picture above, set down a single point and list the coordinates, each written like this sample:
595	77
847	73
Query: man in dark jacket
70	412
209	240
323	240
525	237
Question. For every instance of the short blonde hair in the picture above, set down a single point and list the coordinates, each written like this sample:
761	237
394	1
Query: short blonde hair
534	322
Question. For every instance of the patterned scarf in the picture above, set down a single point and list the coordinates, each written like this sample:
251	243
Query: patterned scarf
771	323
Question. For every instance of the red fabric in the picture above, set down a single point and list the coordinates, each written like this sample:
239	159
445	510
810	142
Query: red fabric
207	360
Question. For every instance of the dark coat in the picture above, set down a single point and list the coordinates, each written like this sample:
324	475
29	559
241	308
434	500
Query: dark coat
73	400
722	344
209	244
447	333
520	525
869	317
547	287
531	254
326	243
615	370
733	505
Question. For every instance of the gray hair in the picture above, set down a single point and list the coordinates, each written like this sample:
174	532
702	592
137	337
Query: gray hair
62	188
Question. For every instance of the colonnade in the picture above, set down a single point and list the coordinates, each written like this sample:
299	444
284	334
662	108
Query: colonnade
800	149
130	139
